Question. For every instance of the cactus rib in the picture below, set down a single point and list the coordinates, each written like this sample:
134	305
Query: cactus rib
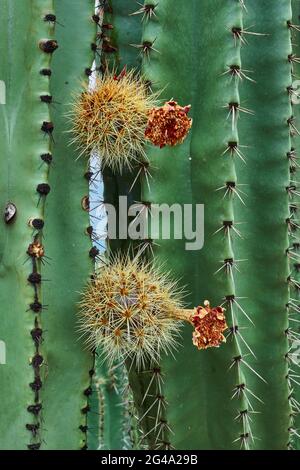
25	116
69	361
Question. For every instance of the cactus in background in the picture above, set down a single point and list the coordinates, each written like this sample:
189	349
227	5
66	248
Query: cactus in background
118	53
112	421
113	424
118	413
122	30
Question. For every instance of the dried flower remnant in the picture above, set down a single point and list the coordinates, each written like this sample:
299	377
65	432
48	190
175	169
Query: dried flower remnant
209	325
168	125
36	250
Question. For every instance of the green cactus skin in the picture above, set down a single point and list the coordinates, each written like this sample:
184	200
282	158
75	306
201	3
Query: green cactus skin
22	142
126	32
147	390
67	386
131	425
267	179
199	167
294	238
104	411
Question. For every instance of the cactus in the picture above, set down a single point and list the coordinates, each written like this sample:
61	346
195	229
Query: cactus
113	424
117	134
214	167
294	261
25	139
223	133
275	228
68	243
43	267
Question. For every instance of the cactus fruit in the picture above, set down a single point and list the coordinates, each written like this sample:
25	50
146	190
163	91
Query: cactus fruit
128	310
111	119
210	323
131	309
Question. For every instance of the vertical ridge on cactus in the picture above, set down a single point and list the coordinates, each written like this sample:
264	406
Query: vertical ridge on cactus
267	178
23	251
293	310
188	166
67	393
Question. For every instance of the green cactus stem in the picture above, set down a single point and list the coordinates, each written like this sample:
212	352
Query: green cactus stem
197	167
294	238
269	291
107	421
26	46
209	168
68	383
226	135
125	35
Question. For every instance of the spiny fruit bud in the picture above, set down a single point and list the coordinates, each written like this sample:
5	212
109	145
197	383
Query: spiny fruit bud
209	325
129	309
168	125
111	119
